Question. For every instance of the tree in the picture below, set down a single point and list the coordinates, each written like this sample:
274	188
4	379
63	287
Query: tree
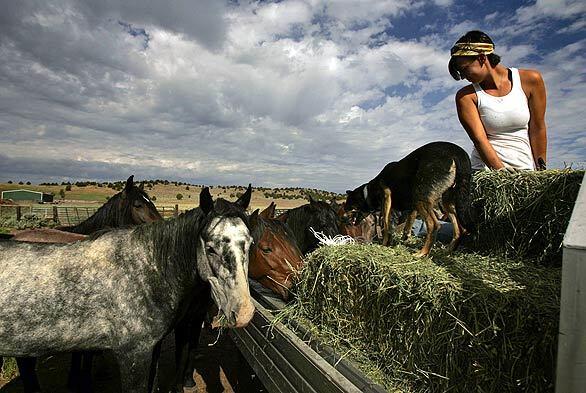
153	198
179	196
68	187
187	188
62	193
28	183
9	181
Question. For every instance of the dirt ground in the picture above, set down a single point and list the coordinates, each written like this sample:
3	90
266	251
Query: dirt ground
220	368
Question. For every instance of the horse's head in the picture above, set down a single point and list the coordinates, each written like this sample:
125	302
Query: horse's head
223	257
140	209
322	217
274	258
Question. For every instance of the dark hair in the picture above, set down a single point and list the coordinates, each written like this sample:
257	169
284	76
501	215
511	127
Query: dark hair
473	36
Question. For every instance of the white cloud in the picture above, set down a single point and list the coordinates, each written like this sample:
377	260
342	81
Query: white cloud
285	93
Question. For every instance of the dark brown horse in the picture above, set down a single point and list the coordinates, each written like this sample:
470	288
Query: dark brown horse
131	206
316	215
274	257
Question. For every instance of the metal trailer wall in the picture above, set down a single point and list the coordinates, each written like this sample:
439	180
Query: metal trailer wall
571	360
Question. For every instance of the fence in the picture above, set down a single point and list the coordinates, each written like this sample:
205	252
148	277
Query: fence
73	215
65	215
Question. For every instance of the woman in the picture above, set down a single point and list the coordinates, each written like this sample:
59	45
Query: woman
503	110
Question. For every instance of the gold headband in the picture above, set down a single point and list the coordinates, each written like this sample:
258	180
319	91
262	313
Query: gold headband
471	49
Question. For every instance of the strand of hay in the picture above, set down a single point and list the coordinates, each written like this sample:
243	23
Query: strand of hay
458	323
524	214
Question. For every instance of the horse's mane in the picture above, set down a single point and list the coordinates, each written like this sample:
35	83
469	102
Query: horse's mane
173	243
273	225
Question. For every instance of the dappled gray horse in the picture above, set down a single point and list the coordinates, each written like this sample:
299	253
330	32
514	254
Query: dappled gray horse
124	290
131	206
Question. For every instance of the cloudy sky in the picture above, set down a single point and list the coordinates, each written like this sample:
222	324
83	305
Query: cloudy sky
308	93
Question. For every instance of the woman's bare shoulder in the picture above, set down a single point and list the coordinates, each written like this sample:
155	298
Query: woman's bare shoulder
532	77
466	93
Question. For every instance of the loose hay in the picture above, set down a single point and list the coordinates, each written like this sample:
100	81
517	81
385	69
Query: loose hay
458	323
525	214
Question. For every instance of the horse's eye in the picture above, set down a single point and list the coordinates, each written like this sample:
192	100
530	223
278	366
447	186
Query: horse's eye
266	250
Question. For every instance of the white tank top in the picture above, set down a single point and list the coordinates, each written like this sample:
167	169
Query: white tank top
506	122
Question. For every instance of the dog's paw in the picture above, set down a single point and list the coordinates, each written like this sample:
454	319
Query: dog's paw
420	254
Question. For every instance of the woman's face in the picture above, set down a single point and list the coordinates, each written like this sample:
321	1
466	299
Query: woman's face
471	68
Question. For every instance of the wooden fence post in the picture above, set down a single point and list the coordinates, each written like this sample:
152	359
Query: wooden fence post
18	212
176	211
55	215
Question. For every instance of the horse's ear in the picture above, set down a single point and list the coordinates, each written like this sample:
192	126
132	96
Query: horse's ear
244	200
128	186
269	212
205	200
283	217
348	192
129	183
254	219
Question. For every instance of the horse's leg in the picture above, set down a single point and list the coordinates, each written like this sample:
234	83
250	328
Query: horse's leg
85	377
193	337
74	372
153	373
134	368
181	353
28	374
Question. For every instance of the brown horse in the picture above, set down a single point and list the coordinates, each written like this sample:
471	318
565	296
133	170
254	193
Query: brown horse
363	232
274	258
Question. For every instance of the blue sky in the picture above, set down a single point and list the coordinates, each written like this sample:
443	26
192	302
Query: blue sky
306	93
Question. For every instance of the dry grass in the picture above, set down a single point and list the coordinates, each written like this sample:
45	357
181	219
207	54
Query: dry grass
166	195
455	323
524	215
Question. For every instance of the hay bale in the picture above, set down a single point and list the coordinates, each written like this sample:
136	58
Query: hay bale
461	323
525	214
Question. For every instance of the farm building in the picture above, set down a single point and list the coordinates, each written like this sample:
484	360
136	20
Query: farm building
27	195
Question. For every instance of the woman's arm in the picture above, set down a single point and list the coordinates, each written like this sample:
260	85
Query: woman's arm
536	98
470	120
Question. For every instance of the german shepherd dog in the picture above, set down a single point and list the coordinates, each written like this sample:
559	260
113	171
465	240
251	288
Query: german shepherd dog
438	173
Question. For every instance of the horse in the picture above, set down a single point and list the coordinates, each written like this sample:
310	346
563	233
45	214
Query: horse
188	328
318	215
274	258
363	232
124	290
131	206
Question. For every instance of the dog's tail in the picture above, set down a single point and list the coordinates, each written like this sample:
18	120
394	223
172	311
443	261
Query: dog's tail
463	185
